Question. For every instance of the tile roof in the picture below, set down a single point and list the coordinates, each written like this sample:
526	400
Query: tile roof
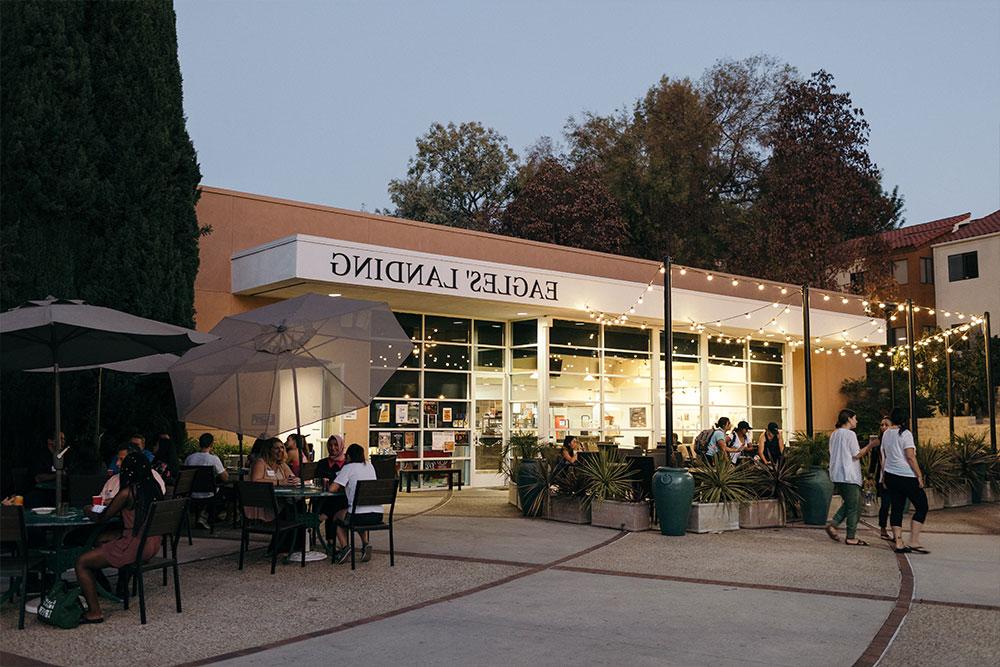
915	236
989	224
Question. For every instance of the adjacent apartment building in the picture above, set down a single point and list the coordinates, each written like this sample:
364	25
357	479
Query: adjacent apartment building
967	270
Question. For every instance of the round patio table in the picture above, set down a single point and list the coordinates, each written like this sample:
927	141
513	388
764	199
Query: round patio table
307	492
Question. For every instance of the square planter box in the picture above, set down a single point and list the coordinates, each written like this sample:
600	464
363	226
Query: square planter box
762	514
512	495
935	499
714	517
620	515
989	495
569	509
959	497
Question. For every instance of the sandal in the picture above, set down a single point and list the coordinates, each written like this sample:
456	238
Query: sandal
832	532
904	550
91	621
887	537
856	543
918	550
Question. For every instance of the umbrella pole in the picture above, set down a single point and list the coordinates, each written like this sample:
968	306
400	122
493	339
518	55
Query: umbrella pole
239	438
298	424
97	425
57	459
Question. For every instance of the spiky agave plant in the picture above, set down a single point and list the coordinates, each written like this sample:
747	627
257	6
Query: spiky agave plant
971	457
607	476
779	481
804	451
721	481
938	467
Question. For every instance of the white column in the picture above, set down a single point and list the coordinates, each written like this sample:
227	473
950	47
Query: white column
655	387
544	418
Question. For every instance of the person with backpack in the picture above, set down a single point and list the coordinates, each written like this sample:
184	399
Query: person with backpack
711	440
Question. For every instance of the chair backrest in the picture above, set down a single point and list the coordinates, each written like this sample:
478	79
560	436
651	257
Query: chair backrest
385	467
307	471
375	492
184	483
642	469
20	481
258	495
203	480
12	528
82	488
165	518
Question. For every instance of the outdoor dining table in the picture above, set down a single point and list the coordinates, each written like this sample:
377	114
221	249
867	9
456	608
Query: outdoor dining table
307	492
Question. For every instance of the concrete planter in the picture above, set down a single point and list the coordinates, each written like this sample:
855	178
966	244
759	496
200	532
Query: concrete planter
935	499
512	495
713	517
958	497
989	494
570	509
762	514
620	515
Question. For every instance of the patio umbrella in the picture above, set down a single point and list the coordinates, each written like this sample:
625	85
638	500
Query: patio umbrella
248	381
67	333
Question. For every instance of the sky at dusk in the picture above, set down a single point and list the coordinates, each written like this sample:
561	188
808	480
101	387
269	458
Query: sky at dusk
321	101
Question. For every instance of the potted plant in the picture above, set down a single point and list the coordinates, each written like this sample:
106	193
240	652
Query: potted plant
940	474
991	490
720	487
519	453
614	501
569	498
776	488
971	458
811	457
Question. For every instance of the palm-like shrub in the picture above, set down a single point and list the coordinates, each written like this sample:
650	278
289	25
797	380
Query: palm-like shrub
779	481
720	481
938	467
971	457
804	451
607	476
520	447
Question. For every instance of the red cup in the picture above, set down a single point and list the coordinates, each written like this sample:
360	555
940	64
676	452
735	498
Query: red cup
96	500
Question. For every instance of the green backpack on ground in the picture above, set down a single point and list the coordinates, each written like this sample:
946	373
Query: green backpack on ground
61	606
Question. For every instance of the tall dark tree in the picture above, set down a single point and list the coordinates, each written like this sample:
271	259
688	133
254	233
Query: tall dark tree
99	183
564	203
819	188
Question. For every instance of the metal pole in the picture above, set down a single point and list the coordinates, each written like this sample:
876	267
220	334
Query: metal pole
57	453
892	385
97	425
991	399
807	360
949	389
668	364
298	424
912	371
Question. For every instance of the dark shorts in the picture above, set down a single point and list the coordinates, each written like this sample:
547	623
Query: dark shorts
369	519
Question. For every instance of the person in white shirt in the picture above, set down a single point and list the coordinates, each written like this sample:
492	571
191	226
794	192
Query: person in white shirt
355	470
205	457
904	481
845	473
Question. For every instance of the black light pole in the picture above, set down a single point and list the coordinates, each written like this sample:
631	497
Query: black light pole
668	365
991	399
949	388
912	370
807	360
892	384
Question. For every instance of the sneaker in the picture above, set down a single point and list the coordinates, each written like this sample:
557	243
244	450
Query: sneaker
342	555
366	553
203	523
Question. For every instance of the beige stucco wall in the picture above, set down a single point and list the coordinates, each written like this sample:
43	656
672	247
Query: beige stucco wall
829	371
972	296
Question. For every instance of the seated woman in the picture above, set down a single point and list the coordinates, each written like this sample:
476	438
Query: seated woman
139	490
293	454
326	473
271	466
356	469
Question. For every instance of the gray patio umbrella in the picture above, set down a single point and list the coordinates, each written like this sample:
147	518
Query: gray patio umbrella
248	381
66	333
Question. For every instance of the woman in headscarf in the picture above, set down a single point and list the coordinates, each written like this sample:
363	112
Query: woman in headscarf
139	490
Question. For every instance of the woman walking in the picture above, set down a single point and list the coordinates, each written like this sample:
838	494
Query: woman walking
875	471
904	481
845	473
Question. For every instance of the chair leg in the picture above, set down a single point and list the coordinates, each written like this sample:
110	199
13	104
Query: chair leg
123	577
177	584
351	530
23	589
392	549
303	547
142	598
187	522
243	545
274	551
164	539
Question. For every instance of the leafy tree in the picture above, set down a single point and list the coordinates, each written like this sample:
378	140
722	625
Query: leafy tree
560	202
98	187
461	176
819	188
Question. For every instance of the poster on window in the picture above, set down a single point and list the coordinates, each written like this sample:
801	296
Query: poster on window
383	413
413	412
443	441
446	415
562	423
430	408
402	413
409	439
637	417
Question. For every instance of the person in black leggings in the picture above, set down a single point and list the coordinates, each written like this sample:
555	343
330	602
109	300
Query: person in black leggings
875	470
904	480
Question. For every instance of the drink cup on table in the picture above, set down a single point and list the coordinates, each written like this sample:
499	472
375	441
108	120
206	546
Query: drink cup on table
97	500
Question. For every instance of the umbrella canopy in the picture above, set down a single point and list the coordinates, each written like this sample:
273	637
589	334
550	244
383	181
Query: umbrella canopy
57	333
249	380
154	363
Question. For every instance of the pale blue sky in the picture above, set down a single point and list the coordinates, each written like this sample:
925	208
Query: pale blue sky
321	101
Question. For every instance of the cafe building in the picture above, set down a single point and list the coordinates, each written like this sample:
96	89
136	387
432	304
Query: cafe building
513	336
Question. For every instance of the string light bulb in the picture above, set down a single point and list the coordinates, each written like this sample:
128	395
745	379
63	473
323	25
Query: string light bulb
710	277
663	269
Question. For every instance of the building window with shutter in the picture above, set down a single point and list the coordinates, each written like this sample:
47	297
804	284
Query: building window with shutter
927	270
963	266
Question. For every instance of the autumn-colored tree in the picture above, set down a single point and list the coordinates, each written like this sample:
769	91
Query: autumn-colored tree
461	176
564	203
819	189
